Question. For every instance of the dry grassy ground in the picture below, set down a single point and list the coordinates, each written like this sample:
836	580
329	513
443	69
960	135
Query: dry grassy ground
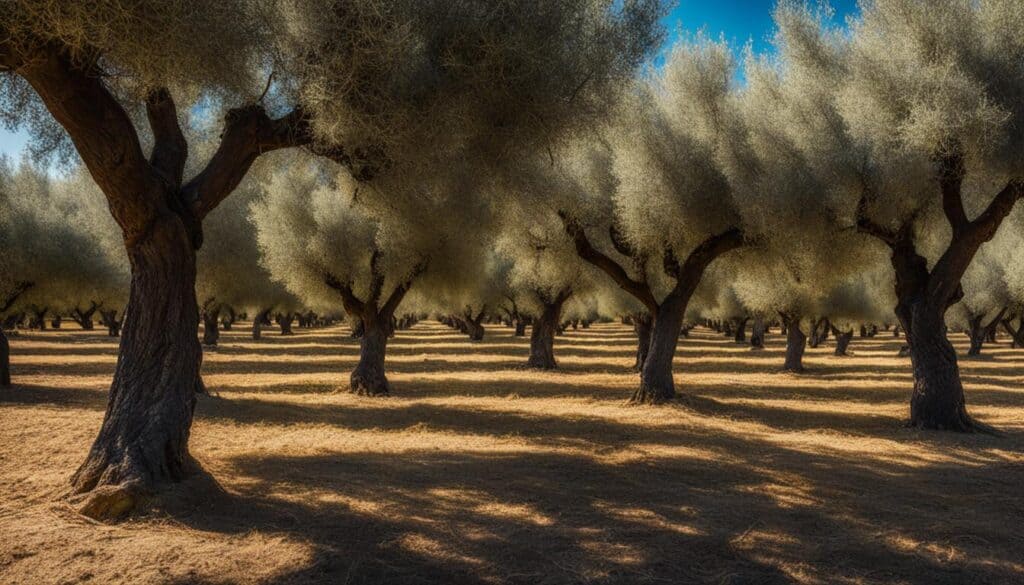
479	471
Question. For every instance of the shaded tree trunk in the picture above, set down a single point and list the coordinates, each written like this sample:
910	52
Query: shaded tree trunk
842	340
542	336
1016	335
211	331
262	318
285	320
642	327
56	322
84	317
38	318
796	343
229	318
368	378
656	383
757	332
981	332
144	437
5	360
741	330
110	321
520	324
938	398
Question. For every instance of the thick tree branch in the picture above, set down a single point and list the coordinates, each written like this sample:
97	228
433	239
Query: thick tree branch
866	225
376	277
353	306
248	133
395	299
13	296
641	291
170	150
951	177
692	270
101	130
945	275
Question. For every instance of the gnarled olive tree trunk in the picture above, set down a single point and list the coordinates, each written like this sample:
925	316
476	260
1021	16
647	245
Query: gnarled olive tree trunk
144	437
545	327
211	317
84	316
642	327
368	378
656	382
757	332
843	339
938	399
796	343
740	335
262	318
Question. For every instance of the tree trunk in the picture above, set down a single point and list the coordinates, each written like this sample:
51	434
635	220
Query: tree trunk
110	320
520	327
229	319
656	383
796	343
842	340
741	330
938	398
1016	335
642	327
84	318
285	322
262	318
5	361
143	441
976	333
56	322
368	377
757	333
211	331
542	338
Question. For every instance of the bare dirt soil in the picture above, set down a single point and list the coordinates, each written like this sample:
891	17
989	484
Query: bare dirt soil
478	471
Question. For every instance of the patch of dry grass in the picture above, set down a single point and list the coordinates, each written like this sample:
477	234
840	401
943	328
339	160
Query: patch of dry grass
479	471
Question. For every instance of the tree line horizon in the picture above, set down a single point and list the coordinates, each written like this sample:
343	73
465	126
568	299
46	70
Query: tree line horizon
517	161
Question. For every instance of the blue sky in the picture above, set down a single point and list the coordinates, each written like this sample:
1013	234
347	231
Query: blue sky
738	20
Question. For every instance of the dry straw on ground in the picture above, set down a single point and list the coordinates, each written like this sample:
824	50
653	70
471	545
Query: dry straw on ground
479	471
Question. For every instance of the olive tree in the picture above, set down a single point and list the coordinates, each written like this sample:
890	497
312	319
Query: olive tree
354	81
330	241
932	99
674	207
51	257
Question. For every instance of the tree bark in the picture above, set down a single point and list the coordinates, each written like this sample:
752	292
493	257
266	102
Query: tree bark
111	322
285	320
542	337
938	398
642	327
757	333
842	340
211	331
656	382
5	360
1016	335
796	343
520	327
262	318
84	317
368	378
229	318
741	330
143	441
